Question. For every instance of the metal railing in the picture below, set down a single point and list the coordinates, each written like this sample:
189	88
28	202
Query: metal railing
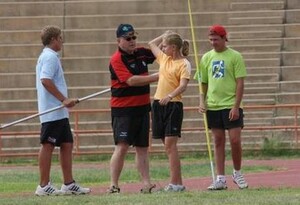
80	133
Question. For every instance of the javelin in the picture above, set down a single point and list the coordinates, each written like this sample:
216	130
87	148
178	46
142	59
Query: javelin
52	109
201	92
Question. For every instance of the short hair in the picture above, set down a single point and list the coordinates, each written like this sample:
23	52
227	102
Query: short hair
49	32
182	44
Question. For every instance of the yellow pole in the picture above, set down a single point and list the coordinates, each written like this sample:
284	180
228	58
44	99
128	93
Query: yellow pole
201	92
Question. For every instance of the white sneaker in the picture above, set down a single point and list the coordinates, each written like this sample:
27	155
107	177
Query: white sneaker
74	189
180	187
240	181
174	188
217	185
47	190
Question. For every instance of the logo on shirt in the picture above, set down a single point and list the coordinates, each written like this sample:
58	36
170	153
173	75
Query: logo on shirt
132	65
218	69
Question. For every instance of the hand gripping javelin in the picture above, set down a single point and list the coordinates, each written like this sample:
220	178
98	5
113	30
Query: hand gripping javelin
52	109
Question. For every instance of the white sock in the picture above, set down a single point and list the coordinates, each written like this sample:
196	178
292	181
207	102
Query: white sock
237	172
221	178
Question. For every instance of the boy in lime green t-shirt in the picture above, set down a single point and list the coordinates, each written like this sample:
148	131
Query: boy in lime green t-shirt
221	73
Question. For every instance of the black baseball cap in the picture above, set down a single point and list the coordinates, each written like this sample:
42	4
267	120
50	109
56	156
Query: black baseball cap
124	29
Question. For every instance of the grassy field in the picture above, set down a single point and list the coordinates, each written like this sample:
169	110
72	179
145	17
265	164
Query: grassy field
233	197
22	176
19	179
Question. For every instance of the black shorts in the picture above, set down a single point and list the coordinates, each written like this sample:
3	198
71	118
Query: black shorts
166	120
220	119
56	132
133	130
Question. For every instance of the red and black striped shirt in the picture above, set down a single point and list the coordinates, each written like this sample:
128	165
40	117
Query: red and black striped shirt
129	100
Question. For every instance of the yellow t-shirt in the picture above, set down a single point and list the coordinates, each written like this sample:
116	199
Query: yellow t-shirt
170	73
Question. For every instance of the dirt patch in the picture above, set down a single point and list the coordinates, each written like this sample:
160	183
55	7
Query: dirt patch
286	173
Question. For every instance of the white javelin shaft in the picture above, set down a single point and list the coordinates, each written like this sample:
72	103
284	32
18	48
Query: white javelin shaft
52	109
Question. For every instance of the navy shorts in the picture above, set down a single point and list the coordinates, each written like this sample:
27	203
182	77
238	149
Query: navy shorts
56	132
133	130
220	119
166	119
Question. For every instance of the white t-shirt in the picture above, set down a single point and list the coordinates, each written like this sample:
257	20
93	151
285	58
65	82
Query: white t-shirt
49	66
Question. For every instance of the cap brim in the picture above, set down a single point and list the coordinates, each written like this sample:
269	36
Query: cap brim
132	33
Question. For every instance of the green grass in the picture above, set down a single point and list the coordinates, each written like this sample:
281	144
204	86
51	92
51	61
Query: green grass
268	151
19	183
233	197
22	178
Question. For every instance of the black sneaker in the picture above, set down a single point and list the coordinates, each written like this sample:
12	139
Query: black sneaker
148	189
113	190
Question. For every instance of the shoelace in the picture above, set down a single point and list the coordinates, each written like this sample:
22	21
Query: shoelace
240	179
218	185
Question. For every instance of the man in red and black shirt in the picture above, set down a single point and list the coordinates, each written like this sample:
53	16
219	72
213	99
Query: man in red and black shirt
130	104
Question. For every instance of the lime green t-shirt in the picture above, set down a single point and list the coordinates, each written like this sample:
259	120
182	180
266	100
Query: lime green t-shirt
219	71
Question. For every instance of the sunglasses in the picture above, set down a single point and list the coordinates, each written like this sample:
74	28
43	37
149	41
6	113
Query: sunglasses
130	38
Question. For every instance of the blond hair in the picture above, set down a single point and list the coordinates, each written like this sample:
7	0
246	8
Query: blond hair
182	44
48	33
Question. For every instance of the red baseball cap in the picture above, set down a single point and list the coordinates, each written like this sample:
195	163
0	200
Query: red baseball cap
218	30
